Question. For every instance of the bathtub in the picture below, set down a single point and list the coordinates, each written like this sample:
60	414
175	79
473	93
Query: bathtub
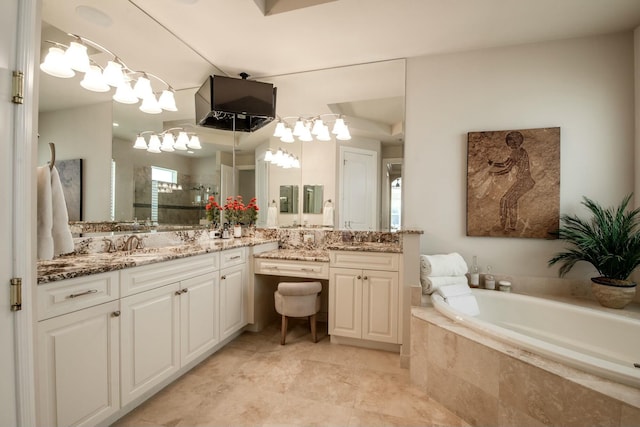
594	341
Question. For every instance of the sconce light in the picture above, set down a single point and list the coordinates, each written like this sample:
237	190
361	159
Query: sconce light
65	63
307	129
169	141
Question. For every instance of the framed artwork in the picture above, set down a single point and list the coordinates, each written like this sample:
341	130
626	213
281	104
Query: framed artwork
70	172
513	183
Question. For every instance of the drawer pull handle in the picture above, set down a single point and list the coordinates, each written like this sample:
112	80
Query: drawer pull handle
359	277
178	293
90	291
308	269
115	314
365	278
185	290
274	267
236	257
223	277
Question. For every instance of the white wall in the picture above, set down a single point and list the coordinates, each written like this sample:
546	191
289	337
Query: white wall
82	133
584	86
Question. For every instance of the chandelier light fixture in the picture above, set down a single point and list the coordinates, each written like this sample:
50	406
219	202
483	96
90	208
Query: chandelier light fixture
282	158
168	187
307	129
166	141
64	61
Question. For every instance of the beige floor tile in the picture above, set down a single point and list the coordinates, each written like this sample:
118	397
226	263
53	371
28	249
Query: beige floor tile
256	381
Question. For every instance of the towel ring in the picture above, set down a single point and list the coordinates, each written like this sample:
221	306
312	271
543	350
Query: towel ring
327	203
52	162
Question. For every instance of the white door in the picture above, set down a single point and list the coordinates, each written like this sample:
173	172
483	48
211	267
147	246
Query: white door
358	189
232	292
199	330
149	326
17	28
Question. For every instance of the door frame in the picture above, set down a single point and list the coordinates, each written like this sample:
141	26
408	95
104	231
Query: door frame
24	206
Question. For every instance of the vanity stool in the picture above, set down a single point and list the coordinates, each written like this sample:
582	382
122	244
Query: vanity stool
298	299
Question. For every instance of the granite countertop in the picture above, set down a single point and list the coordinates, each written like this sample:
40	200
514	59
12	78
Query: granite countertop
366	247
316	255
70	266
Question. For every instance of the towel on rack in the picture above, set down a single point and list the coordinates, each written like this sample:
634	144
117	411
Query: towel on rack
327	216
272	216
443	265
54	236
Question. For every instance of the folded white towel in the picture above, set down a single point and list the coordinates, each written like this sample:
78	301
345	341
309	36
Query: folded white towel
62	239
327	216
466	304
454	290
430	284
54	235
44	214
272	216
443	265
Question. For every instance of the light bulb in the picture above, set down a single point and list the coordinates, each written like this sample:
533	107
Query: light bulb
140	144
113	74
338	126
154	144
94	81
142	88
324	134
268	156
305	135
317	126
55	64
181	141
298	128
194	143
279	131
76	57
287	136
167	142
124	94
167	101
150	105
344	134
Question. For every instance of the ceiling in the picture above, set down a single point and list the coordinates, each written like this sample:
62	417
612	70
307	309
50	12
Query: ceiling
184	41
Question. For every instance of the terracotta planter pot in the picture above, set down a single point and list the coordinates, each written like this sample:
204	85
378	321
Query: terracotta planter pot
613	293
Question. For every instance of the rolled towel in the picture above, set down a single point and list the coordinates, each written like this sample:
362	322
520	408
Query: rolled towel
44	214
62	239
430	284
443	265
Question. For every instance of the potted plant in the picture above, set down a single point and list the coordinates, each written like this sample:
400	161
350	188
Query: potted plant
610	241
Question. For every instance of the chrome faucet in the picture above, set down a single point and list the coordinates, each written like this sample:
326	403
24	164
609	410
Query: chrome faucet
110	246
133	242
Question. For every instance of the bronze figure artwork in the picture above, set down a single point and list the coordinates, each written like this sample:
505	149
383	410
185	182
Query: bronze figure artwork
513	183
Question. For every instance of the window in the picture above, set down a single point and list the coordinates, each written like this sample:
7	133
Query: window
396	203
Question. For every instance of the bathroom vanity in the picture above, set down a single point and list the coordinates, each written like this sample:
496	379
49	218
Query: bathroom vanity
115	328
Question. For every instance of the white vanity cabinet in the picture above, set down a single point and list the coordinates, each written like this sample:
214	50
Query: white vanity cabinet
364	295
166	327
78	350
234	291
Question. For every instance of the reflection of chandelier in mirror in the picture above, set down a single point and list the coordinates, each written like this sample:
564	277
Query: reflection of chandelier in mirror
167	187
309	128
169	142
282	158
62	63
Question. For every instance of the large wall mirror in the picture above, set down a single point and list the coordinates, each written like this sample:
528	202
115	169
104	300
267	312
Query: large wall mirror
118	181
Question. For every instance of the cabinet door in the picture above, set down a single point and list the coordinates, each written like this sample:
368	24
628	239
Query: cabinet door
345	302
380	306
232	300
149	339
199	330
78	363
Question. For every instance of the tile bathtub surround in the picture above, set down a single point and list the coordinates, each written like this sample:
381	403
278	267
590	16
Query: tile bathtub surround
256	381
490	383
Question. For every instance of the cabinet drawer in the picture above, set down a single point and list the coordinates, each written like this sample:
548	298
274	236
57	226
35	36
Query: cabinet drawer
231	257
365	260
65	296
276	267
146	277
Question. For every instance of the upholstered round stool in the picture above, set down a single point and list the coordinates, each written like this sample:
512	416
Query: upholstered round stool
298	299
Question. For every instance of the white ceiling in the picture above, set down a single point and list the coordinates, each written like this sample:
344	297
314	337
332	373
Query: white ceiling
183	41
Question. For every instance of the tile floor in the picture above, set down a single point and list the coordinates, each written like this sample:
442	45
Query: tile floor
254	381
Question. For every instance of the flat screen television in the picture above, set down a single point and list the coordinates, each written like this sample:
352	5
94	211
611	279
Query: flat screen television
224	102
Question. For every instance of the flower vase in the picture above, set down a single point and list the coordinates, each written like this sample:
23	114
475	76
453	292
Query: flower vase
237	230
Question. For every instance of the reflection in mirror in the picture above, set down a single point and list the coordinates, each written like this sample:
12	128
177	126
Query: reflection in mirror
312	202
289	199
